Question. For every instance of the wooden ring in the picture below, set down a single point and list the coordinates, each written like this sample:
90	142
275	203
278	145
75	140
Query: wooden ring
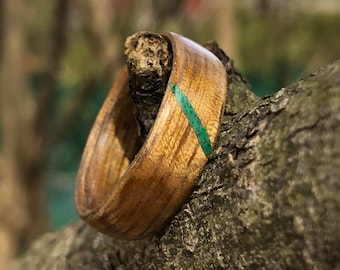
131	192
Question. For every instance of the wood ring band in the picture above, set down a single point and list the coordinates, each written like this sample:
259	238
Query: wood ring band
130	192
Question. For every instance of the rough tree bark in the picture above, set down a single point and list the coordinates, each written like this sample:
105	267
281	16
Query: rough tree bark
267	199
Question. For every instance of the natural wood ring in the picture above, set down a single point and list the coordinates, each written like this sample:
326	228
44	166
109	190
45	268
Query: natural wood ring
132	200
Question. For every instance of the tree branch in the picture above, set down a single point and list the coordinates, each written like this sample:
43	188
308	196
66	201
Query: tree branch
268	197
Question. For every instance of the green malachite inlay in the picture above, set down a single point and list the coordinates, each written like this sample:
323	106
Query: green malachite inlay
193	119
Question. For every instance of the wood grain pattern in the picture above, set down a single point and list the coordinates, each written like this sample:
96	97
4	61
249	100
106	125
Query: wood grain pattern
130	191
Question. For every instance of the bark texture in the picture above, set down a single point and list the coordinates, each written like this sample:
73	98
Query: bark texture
267	199
149	62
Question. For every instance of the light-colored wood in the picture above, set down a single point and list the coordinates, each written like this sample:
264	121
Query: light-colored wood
132	200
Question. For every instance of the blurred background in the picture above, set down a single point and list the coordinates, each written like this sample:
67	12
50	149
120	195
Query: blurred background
58	59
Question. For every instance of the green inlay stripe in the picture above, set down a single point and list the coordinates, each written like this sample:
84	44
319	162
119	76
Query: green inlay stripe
193	119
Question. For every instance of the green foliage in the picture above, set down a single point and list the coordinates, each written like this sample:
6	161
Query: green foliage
77	62
66	154
276	51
